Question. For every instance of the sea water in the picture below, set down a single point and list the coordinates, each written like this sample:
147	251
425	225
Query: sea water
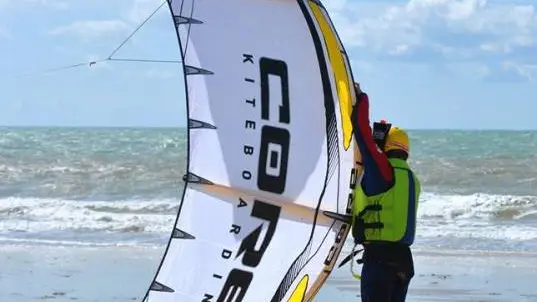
118	188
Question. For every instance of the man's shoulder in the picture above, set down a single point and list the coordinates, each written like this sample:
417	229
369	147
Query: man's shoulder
417	180
411	170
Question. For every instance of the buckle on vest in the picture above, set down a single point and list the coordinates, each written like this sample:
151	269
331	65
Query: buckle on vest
359	227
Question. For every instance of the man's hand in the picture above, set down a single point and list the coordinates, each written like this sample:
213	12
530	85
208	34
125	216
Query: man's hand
359	99
360	95
357	88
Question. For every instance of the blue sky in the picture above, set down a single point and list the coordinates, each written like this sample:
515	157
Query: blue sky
425	63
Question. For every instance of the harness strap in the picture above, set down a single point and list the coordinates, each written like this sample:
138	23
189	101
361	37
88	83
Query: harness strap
370	207
373	225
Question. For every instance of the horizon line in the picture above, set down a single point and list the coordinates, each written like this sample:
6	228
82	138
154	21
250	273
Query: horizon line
185	127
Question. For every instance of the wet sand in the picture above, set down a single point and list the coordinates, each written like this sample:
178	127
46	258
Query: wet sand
456	276
40	273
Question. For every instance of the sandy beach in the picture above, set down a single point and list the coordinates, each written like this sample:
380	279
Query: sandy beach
456	276
123	273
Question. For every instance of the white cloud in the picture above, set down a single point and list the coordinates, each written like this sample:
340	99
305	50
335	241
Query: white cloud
141	9
55	4
91	28
137	12
493	36
525	71
452	28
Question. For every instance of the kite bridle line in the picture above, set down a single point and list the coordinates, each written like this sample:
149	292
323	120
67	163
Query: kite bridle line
110	57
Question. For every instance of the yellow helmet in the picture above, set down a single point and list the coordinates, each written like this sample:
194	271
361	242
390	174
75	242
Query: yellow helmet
397	140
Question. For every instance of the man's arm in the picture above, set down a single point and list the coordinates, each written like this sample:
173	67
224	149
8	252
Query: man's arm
378	173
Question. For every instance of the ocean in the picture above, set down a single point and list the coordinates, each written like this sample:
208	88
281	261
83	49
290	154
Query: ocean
118	188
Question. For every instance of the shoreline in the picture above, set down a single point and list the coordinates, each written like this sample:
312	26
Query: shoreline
100	274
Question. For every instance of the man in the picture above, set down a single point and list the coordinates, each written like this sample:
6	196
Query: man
385	206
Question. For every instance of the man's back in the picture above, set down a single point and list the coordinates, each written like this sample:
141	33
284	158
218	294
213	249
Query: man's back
385	207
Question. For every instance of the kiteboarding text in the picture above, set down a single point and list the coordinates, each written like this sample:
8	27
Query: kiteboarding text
272	163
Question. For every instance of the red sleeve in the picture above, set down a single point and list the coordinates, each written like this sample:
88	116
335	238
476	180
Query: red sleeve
378	173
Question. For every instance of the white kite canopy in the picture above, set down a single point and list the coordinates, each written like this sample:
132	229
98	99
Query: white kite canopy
270	147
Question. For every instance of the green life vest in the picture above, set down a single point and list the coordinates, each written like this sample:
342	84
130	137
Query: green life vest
389	216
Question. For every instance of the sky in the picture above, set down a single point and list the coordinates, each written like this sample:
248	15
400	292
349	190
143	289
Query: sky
426	64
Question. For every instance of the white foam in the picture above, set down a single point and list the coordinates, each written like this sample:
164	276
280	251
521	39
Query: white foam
480	206
36	241
478	216
41	215
473	230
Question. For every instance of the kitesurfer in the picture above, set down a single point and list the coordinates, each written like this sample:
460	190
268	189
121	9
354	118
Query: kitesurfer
385	205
